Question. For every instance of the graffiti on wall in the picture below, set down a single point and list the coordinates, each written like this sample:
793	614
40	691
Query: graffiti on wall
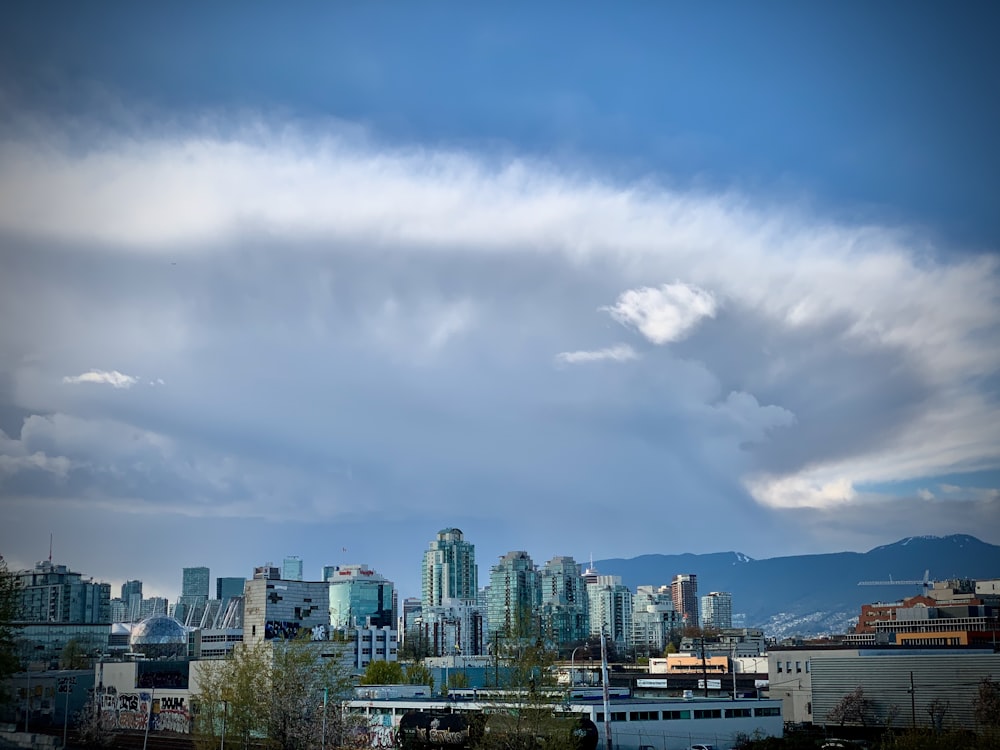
132	710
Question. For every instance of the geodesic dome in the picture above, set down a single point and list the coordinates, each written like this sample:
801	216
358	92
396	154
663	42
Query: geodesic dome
159	637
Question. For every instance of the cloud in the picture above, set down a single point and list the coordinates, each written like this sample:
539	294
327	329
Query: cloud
664	314
113	378
616	353
925	494
318	302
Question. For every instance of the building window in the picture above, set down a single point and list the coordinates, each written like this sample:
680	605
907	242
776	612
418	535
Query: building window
807	666
798	667
768	711
619	716
779	667
738	713
708	713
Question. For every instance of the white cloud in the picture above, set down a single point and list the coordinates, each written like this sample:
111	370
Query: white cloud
860	288
616	353
113	378
925	494
663	314
798	492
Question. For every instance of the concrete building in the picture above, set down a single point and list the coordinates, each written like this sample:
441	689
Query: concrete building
280	609
564	611
291	568
55	594
360	597
654	620
717	610
449	570
684	590
515	595
373	644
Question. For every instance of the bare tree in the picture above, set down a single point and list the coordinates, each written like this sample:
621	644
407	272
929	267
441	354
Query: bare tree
853	708
987	704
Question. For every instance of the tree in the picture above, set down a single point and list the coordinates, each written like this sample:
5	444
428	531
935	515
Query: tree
10	597
419	674
74	656
276	691
986	704
853	708
383	673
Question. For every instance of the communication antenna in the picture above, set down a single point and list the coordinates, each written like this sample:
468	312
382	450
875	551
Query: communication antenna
50	546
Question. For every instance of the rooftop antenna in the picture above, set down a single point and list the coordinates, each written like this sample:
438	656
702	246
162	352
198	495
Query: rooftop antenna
50	546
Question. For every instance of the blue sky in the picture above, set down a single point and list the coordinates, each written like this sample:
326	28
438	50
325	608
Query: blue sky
579	279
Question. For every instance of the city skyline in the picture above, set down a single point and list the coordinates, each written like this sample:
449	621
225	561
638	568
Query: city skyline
590	281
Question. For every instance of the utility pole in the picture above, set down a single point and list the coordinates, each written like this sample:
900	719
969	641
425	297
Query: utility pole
704	665
605	692
913	704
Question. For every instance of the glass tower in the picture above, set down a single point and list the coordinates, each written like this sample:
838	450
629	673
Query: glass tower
515	595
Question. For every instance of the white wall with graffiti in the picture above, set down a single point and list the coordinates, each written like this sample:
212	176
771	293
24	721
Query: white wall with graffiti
125	706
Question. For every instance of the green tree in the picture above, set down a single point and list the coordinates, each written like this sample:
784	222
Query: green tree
272	693
10	598
383	673
74	656
419	674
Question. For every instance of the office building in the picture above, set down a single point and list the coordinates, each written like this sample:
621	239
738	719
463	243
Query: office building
291	568
449	570
267	571
228	588
152	606
360	598
717	610
515	596
190	606
564	611
684	590
280	609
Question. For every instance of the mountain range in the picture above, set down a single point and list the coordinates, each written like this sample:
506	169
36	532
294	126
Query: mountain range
815	594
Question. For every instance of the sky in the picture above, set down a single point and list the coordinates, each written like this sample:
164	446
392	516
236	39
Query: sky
582	279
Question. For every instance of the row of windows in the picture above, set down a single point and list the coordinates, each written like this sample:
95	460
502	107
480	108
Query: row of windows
698	713
788	667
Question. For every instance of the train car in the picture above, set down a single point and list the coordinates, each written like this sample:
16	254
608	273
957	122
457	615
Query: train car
424	730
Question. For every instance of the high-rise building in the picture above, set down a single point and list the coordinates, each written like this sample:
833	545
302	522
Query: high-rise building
654	620
194	594
280	609
195	582
132	597
53	593
684	591
515	595
717	610
564	611
610	605
228	588
360	598
329	571
291	568
449	570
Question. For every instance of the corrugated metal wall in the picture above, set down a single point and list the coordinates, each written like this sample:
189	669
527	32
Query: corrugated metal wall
951	679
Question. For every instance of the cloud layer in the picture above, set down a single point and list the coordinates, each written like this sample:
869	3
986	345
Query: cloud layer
350	329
